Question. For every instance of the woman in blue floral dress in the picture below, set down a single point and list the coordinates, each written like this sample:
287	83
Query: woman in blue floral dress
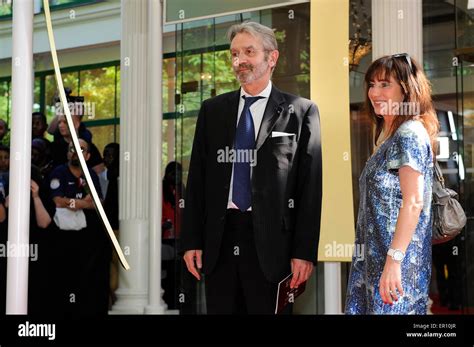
392	275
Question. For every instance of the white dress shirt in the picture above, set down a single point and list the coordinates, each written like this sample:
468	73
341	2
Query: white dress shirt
257	109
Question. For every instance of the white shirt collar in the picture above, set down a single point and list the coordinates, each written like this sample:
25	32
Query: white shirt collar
265	93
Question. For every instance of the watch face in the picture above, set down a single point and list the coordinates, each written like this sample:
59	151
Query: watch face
398	255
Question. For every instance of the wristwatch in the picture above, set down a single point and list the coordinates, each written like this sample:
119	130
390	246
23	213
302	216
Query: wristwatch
396	254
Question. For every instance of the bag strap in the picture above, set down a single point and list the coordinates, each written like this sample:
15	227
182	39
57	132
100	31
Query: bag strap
438	173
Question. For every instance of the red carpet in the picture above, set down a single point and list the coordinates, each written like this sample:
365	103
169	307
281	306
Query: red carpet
437	309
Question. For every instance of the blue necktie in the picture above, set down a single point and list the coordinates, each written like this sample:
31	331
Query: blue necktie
244	140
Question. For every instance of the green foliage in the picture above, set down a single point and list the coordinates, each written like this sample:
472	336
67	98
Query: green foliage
5	9
5	101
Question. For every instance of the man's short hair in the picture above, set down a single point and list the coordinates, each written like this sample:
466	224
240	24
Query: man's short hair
257	30
41	115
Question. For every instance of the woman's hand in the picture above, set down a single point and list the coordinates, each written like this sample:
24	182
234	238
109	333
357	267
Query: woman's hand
391	281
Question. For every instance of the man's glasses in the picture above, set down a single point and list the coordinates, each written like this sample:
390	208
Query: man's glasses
407	57
249	52
73	150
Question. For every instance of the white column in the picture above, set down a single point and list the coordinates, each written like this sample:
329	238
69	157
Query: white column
134	189
397	27
156	305
332	288
20	157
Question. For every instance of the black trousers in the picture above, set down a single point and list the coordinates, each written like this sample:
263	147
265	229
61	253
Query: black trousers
81	267
237	285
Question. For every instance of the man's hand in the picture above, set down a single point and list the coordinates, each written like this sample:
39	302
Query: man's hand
191	256
301	270
74	204
34	189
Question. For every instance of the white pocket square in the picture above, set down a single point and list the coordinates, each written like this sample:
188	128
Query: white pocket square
280	134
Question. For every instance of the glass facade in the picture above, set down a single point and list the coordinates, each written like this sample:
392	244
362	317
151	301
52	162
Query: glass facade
448	60
5	9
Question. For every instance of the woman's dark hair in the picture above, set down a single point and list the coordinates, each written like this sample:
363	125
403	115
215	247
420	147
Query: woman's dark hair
415	87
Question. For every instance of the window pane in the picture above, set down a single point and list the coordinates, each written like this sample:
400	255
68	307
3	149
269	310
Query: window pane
292	71
169	66
117	133
118	93
98	89
102	135
168	142
465	24
70	80
185	128
37	91
5	8
189	78
70	2
221	68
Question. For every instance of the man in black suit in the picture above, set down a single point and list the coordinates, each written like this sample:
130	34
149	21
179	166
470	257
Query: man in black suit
253	204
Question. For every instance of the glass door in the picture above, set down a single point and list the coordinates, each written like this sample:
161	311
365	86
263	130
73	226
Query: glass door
465	160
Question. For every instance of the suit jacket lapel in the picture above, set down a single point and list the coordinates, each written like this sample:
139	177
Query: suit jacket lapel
272	112
231	120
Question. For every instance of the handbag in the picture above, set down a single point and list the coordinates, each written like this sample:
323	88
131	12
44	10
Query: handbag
448	215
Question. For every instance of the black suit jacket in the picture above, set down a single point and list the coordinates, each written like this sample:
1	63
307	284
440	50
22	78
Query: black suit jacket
286	182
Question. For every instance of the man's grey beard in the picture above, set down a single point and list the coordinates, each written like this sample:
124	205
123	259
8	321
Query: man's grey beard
254	74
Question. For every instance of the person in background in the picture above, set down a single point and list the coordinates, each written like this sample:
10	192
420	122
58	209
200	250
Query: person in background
41	212
4	161
109	176
3	243
62	140
83	249
38	126
76	112
40	281
392	275
109	183
40	156
173	190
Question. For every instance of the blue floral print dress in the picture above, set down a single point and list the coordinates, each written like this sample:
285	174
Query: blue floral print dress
380	201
